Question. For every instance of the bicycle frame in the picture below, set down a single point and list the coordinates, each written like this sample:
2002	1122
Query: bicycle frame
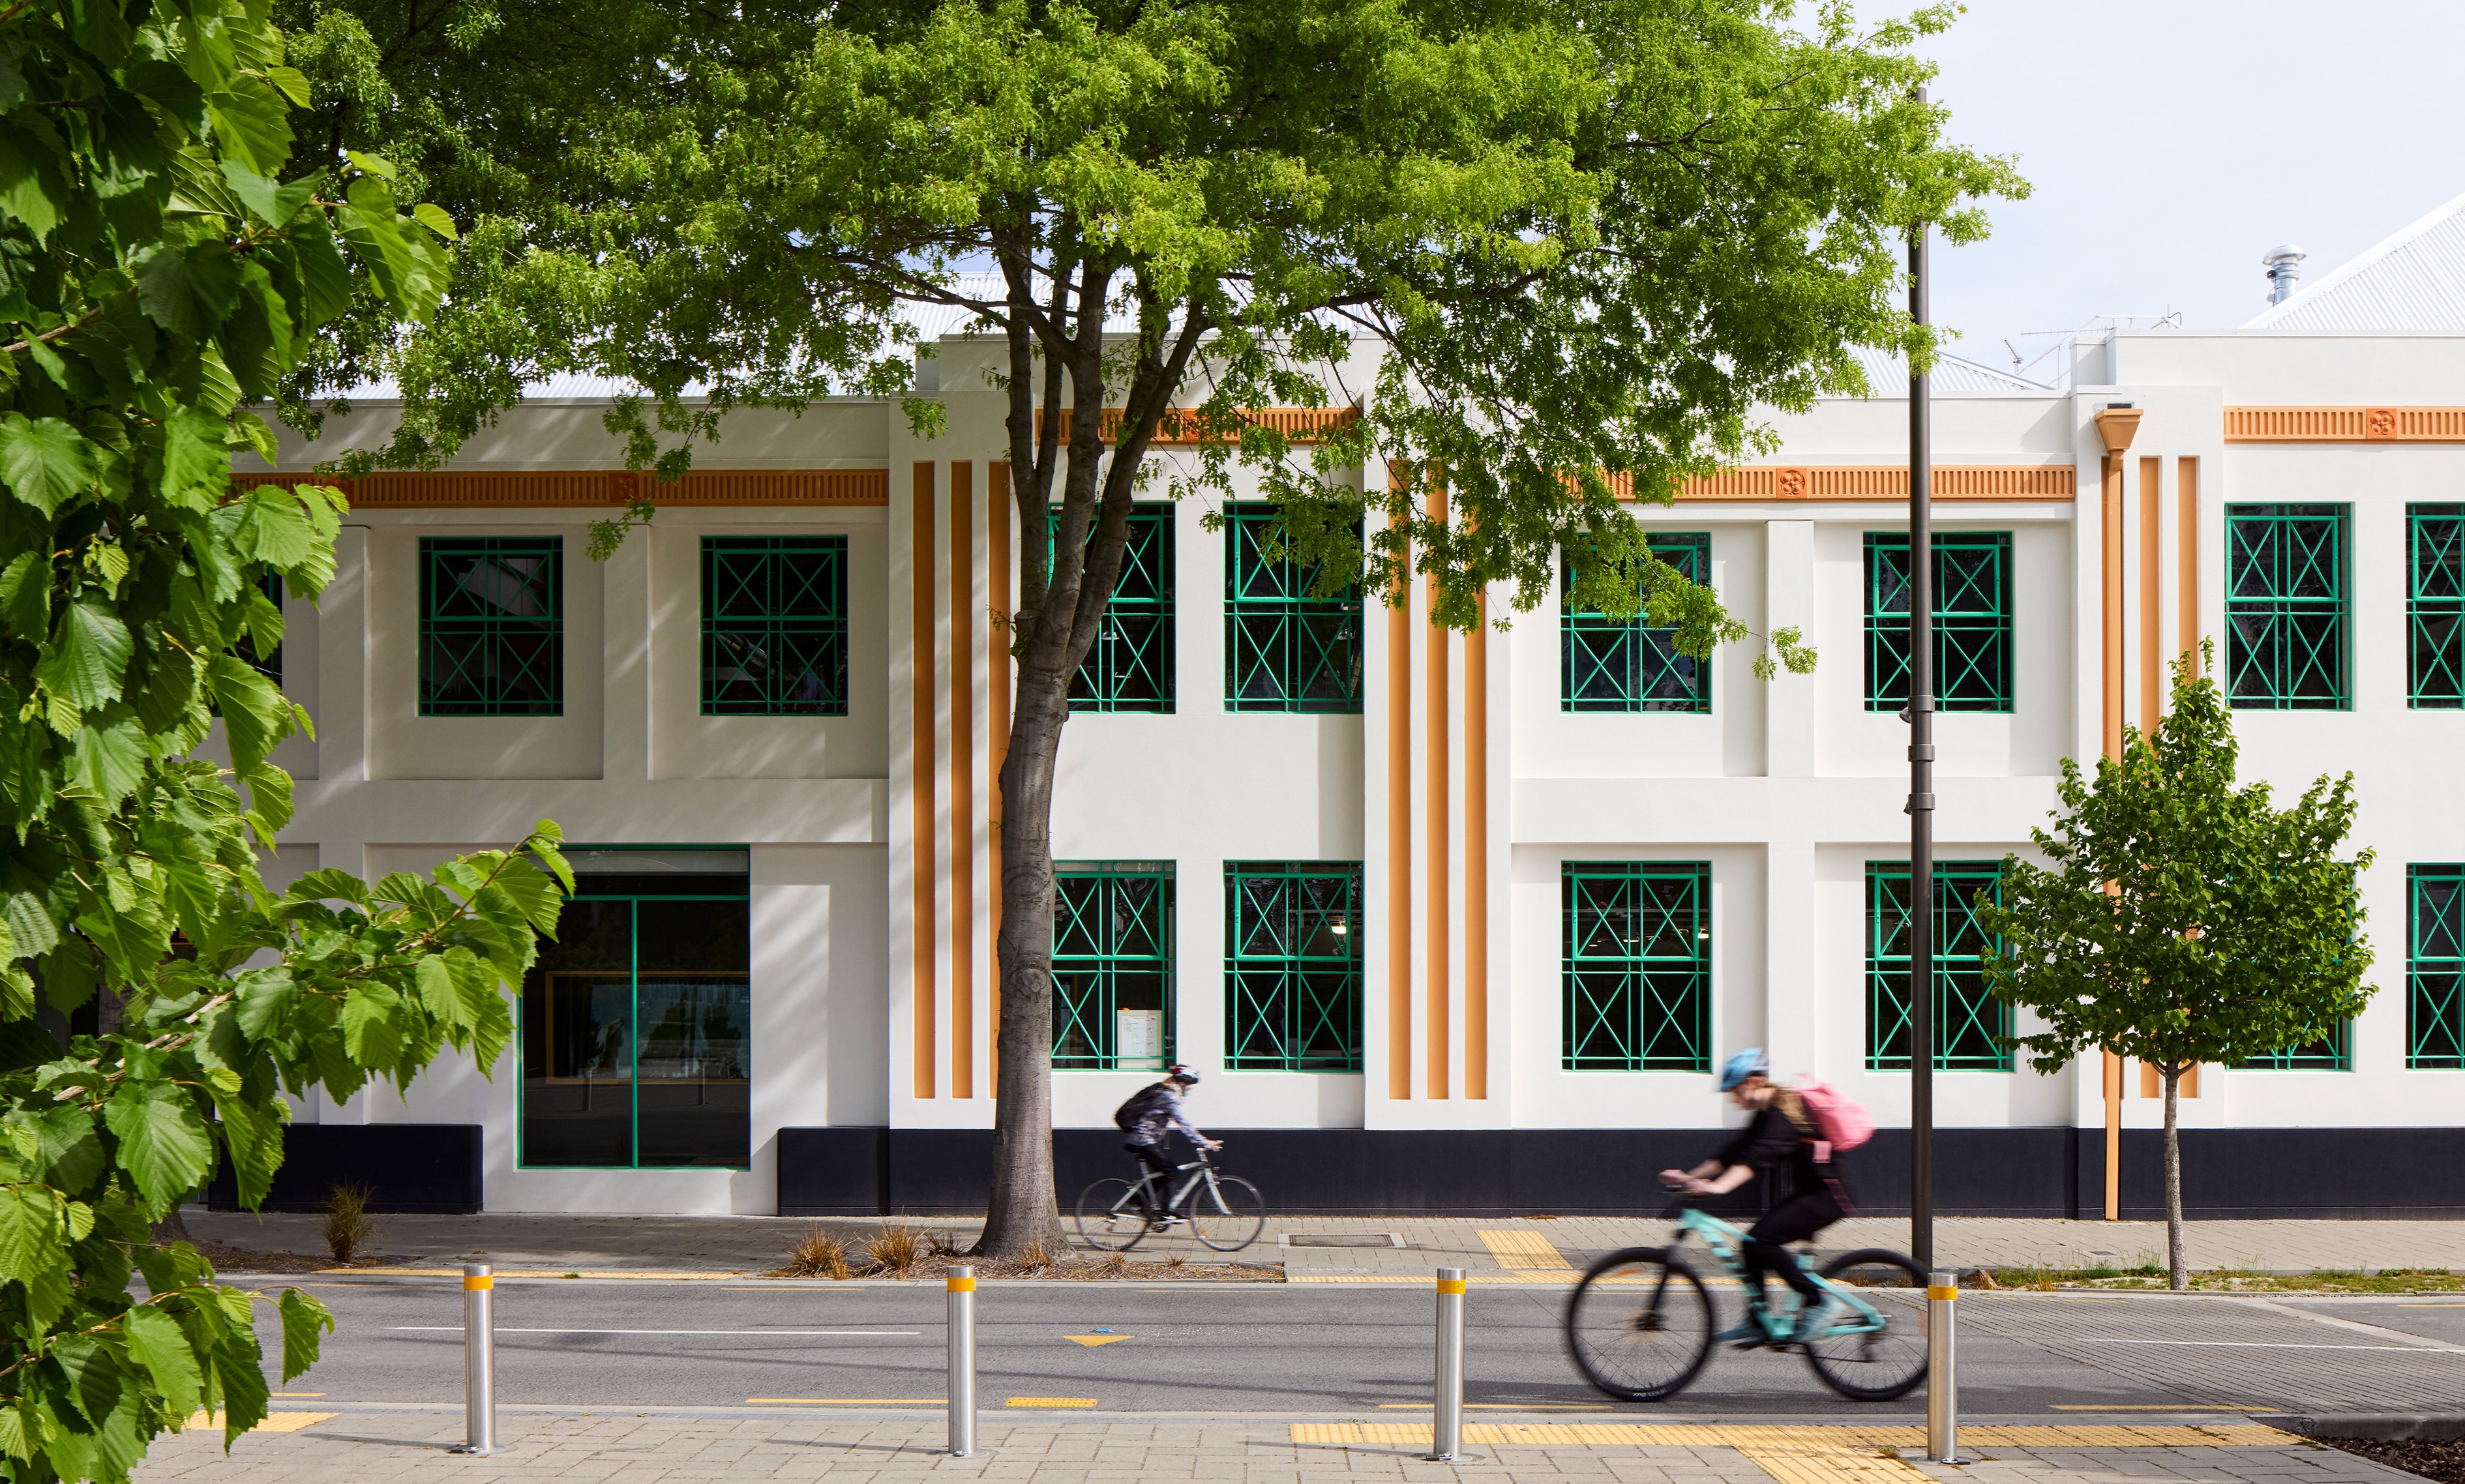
1147	1179
1727	1244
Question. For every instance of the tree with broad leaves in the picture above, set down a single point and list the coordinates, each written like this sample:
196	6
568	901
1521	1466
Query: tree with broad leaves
2183	920
157	274
1562	251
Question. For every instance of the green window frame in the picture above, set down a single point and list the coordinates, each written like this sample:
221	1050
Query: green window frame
2434	967
1628	665
1973	621
2288	608
1112	960
1973	1027
491	626
2434	606
2331	1053
774	626
1131	666
1637	940
1284	649
1292	966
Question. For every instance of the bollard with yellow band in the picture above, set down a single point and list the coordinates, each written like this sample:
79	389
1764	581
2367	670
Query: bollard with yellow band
478	1359
1943	1387
1446	1418
962	1298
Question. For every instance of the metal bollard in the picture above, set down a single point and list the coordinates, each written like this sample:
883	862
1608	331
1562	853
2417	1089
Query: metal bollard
1943	1387
1446	1410
478	1359
962	1280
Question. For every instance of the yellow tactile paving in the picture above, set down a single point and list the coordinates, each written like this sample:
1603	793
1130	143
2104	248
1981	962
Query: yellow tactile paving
1802	1440
1523	1249
275	1422
1051	1401
1828	1466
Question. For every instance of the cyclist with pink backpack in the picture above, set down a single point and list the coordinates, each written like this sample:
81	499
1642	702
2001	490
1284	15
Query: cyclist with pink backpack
1807	1128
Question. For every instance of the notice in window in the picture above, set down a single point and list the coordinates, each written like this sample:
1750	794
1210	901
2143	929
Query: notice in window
1138	1035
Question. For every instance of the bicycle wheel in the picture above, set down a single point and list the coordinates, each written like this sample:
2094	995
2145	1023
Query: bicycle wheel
1865	1365
1639	1325
1109	1217
1227	1213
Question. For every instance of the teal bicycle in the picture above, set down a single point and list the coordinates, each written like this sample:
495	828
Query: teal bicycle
1641	1323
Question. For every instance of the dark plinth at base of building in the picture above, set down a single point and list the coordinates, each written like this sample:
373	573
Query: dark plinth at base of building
2058	1172
409	1168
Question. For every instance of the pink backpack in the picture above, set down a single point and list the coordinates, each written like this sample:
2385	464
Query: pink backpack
1842	1120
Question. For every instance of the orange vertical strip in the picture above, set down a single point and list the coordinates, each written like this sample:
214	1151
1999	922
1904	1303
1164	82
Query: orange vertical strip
2152	641
1435	798
920	768
962	793
1399	841
1476	854
2187	555
997	710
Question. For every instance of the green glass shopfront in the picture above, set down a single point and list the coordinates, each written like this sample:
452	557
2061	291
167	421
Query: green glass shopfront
636	1022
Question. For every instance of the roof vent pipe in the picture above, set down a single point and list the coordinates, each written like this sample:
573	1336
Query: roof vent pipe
2284	265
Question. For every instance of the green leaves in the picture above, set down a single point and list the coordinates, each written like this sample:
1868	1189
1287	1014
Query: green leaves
156	1341
43	460
163	1143
88	657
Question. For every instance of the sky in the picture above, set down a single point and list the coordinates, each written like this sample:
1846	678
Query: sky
2171	143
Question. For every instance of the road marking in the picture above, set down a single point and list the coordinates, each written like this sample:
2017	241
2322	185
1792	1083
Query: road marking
846	1334
1051	1401
2273	1345
1525	1249
2431	1306
846	1401
1502	1407
2152	1406
1092	1340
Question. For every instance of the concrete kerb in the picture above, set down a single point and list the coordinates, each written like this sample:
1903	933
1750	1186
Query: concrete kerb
2375	1427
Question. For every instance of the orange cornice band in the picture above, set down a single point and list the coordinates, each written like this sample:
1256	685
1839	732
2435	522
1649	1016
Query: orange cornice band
1301	423
2345	425
1877	481
593	488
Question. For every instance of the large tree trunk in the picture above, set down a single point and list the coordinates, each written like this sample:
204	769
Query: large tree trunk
2177	1277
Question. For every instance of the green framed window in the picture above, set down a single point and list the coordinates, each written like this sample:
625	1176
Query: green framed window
774	626
1637	965
1292	966
1970	1024
635	1027
1973	621
1131	667
1626	664
2434	606
2434	967
1112	966
1283	649
2331	1053
2288	608
491	626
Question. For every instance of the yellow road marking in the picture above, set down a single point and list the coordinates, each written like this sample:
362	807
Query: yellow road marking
1525	1249
275	1422
1097	1339
845	1401
1503	1407
2154	1407
1051	1401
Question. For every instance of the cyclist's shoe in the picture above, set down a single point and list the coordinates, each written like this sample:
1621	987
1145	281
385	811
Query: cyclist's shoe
1166	1222
1813	1319
1749	1333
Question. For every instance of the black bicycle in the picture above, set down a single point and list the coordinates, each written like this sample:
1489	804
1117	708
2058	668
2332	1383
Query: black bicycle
1224	1211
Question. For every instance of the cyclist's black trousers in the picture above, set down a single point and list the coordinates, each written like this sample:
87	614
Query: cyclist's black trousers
1793	1219
1161	1187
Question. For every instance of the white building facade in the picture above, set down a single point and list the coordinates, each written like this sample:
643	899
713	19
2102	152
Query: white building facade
1451	922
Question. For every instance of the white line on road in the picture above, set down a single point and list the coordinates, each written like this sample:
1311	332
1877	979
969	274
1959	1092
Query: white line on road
2272	1344
847	1334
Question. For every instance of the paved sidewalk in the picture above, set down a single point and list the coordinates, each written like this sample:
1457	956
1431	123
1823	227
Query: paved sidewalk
1540	1249
407	1448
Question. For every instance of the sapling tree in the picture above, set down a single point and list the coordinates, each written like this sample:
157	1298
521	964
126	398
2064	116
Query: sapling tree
156	276
2182	919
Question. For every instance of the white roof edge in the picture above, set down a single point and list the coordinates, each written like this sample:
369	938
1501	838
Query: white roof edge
2347	270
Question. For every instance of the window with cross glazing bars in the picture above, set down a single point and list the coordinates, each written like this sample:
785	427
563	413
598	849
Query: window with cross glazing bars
774	626
491	626
2434	967
1283	649
2287	607
1973	621
1131	666
1636	938
2331	1053
2435	538
1292	966
1969	1023
1626	664
1112	966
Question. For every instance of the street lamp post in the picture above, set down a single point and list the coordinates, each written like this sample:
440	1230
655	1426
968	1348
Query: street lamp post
1920	805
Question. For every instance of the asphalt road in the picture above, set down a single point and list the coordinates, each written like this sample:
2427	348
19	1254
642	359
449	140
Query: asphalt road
1257	1348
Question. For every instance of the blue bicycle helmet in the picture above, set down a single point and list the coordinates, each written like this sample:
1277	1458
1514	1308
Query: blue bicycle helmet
1749	1063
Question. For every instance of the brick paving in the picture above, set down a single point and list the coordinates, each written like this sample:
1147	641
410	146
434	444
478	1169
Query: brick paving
408	1447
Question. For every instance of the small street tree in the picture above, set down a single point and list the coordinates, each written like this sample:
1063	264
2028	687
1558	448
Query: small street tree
2184	920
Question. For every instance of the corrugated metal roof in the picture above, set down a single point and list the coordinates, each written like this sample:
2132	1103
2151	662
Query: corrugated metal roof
2414	281
1953	377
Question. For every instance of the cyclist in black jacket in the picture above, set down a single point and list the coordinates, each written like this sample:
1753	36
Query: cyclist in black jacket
1150	1114
1779	1130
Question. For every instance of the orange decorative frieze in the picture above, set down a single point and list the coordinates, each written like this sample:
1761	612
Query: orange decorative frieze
589	489
2345	425
1179	430
1881	481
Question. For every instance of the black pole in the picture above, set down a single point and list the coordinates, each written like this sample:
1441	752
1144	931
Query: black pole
1921	808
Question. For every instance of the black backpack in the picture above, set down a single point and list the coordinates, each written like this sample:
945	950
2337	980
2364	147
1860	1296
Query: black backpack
1131	1115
